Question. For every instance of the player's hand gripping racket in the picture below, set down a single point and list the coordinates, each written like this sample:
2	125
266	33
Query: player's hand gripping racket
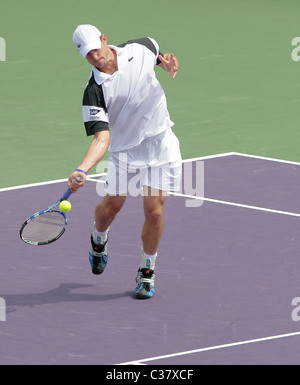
47	225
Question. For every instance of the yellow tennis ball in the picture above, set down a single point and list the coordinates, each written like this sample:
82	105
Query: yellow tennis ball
65	206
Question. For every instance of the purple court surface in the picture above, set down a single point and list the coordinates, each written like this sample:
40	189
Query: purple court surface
227	275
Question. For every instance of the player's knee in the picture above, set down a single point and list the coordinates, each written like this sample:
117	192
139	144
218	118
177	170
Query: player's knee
154	217
112	209
112	205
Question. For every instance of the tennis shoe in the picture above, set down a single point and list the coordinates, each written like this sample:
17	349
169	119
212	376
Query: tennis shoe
145	283
98	256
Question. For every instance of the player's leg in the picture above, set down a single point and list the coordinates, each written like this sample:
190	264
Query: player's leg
152	231
105	213
153	225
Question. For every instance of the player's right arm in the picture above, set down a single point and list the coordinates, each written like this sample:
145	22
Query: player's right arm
96	124
94	154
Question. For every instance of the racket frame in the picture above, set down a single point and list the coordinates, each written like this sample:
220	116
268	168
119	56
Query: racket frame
41	212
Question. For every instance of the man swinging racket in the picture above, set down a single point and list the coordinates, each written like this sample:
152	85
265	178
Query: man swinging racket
125	109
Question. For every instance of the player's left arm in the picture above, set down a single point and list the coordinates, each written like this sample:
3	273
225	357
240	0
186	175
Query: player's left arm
169	63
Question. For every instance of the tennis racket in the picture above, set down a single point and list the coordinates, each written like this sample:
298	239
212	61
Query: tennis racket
46	226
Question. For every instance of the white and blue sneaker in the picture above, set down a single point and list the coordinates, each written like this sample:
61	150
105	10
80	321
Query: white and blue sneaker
145	283
98	256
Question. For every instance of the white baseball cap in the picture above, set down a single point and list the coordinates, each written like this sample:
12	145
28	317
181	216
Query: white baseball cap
86	37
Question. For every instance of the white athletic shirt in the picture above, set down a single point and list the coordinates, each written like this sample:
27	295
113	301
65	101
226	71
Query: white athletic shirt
130	102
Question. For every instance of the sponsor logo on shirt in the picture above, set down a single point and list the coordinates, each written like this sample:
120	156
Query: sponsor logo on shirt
94	111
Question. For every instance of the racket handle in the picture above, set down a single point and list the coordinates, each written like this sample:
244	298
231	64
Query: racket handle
68	192
66	195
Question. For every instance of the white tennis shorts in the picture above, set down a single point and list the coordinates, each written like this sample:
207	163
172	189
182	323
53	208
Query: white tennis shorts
155	163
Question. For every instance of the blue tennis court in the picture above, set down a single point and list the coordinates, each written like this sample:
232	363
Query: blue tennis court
227	273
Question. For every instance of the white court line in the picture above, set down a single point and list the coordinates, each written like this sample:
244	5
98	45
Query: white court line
32	185
236	204
93	176
207	157
90	177
228	203
138	362
266	158
244	155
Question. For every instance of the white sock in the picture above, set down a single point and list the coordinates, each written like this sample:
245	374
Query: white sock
148	261
98	236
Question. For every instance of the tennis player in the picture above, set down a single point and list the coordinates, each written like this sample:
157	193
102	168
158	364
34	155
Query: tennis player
125	110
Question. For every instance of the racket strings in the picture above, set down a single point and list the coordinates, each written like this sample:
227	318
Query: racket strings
44	227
